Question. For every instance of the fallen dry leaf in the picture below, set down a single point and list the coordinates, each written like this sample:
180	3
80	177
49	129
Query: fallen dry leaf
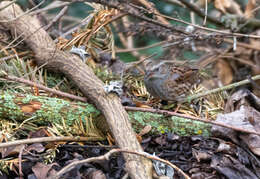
230	167
13	150
251	5
42	170
30	107
228	6
224	71
96	174
145	130
244	117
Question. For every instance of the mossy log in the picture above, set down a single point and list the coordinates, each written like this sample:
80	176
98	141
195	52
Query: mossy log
46	110
46	54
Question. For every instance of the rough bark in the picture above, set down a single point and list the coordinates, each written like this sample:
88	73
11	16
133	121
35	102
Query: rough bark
46	53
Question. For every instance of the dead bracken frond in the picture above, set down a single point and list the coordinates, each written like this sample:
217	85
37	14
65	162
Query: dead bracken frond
78	128
10	130
8	164
6	128
21	68
135	86
86	128
96	35
207	107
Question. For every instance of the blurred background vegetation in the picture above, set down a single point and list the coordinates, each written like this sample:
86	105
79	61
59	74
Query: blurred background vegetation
81	10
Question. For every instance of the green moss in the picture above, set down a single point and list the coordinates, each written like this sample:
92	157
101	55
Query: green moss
162	124
10	108
54	110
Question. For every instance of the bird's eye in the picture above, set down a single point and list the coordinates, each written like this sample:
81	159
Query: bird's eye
156	69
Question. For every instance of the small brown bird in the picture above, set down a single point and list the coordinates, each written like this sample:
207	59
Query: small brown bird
169	82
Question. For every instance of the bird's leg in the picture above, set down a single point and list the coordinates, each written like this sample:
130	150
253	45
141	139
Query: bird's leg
178	107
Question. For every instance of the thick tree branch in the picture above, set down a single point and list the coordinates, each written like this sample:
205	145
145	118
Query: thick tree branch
71	65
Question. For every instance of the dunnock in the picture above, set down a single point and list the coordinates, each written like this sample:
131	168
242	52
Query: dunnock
169	82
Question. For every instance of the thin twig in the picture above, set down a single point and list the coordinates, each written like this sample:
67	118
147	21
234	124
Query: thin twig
175	2
128	108
163	42
224	88
206	13
15	55
200	13
54	91
127	41
79	25
12	42
241	44
20	161
169	113
107	156
36	69
61	13
125	7
144	154
25	13
22	34
203	28
71	19
48	139
255	9
192	16
148	5
87	20
140	48
10	45
54	5
12	2
252	21
135	64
